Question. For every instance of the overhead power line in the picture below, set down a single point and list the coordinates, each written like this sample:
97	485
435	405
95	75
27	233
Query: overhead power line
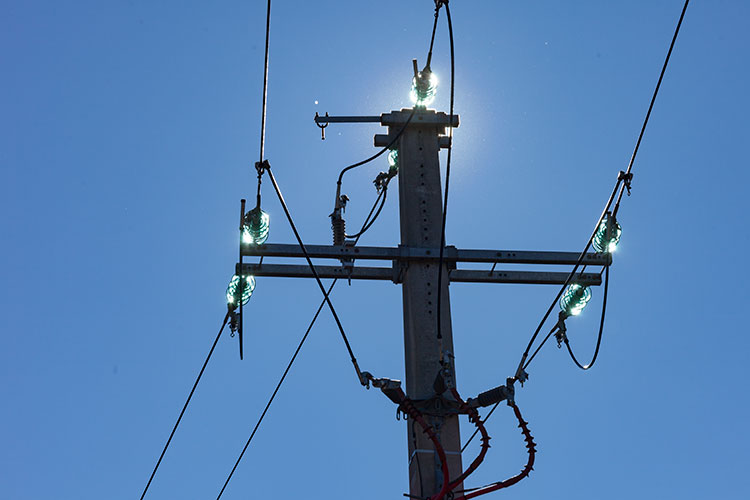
367	223
184	407
623	182
276	390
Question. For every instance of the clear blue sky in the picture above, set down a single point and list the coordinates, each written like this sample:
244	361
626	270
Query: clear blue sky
128	130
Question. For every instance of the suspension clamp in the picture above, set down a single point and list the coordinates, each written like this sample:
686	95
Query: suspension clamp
262	166
626	178
233	322
521	375
561	333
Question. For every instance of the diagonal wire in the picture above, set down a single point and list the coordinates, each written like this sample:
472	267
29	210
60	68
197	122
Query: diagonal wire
265	85
190	396
619	186
314	272
477	430
653	100
608	205
276	390
291	361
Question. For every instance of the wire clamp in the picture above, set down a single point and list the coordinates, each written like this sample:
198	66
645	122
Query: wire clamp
262	166
233	322
560	334
521	375
627	179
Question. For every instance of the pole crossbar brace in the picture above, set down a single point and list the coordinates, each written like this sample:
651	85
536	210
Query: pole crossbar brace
421	117
408	253
394	274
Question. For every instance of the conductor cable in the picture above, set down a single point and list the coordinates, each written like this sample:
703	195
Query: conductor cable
628	171
283	377
184	407
447	184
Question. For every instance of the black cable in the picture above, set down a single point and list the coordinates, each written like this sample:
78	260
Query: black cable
265	86
619	185
476	431
314	271
521	364
539	348
601	328
291	361
447	182
368	160
432	38
276	390
383	193
184	407
651	105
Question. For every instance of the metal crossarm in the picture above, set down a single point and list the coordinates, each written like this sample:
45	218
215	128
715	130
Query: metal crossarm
407	253
394	274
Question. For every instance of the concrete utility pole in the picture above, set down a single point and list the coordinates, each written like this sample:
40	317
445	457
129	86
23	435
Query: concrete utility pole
421	212
414	265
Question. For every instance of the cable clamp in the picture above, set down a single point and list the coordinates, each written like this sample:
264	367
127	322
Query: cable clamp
521	375
560	334
262	166
233	321
626	178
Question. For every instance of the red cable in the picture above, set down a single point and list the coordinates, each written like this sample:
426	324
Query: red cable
530	445
477	421
427	429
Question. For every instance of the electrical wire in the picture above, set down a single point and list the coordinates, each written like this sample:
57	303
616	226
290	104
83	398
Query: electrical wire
184	407
314	272
466	444
651	105
622	183
601	329
276	390
447	183
531	449
383	193
265	85
286	371
569	278
371	158
565	337
434	29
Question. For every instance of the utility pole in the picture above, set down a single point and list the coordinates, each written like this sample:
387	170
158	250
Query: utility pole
421	212
414	265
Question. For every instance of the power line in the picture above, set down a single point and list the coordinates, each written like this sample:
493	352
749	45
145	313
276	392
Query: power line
447	181
651	104
601	329
314	271
367	223
623	182
265	85
184	407
276	390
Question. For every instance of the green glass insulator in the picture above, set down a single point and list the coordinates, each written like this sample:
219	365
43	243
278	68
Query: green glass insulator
255	228
393	160
575	299
237	290
423	88
607	235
